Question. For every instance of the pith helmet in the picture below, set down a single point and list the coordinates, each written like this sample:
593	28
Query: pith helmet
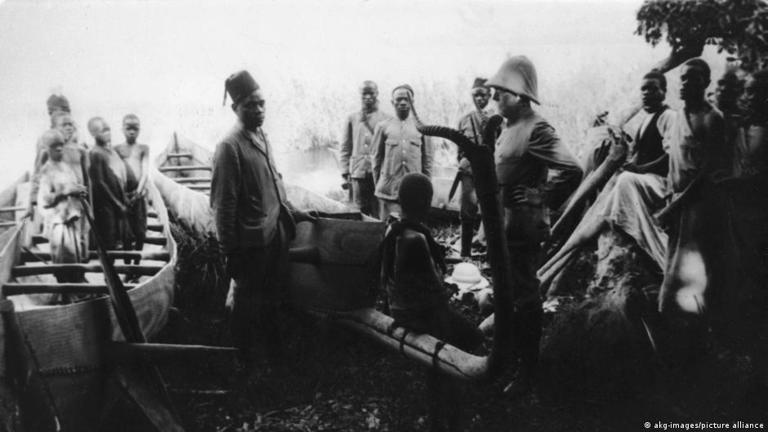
517	75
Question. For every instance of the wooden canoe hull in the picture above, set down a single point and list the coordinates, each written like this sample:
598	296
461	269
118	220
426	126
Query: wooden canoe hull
345	270
68	341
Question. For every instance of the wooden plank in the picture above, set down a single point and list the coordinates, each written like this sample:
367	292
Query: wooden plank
185	180
124	352
12	209
24	270
184	168
179	155
139	391
28	256
156	240
18	288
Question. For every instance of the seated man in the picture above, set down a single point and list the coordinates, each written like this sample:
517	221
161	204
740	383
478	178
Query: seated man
58	201
412	268
629	200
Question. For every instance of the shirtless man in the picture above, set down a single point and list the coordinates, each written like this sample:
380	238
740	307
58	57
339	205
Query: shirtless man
59	190
136	157
108	176
412	267
696	269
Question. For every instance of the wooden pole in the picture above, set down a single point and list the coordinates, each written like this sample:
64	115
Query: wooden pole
159	411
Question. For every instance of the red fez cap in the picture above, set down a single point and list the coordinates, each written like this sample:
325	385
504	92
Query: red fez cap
57	101
239	85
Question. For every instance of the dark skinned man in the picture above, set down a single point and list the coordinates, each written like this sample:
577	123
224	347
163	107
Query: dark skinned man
526	149
107	174
748	194
136	157
698	261
399	149
254	222
471	125
357	149
630	199
412	273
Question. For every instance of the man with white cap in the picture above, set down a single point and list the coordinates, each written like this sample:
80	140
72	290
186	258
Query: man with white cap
357	149
526	150
399	149
471	125
254	221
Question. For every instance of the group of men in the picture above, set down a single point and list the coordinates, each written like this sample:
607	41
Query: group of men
112	178
688	162
387	157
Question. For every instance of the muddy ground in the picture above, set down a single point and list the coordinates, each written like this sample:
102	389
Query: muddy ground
334	380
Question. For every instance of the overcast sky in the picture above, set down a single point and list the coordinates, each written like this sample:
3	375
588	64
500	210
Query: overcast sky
166	60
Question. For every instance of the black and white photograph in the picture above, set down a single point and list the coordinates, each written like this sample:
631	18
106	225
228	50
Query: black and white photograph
383	215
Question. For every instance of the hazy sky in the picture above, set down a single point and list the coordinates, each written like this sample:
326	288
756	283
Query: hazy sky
166	60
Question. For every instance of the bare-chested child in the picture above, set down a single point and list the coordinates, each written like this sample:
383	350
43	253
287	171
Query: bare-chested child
59	191
136	157
108	176
412	274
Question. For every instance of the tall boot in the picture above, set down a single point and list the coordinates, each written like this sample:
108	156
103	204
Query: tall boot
467	232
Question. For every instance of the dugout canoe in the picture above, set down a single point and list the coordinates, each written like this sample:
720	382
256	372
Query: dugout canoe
68	343
189	164
334	270
185	184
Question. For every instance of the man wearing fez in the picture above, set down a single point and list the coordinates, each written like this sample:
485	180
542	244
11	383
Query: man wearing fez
254	221
356	149
471	125
526	149
399	149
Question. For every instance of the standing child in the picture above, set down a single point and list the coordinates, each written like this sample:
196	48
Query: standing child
412	272
108	178
136	158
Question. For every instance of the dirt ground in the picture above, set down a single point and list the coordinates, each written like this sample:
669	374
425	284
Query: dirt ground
334	380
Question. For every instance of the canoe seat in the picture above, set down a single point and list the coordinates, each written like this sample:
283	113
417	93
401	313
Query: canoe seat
156	240
12	209
155	227
33	270
179	155
18	288
28	256
185	168
184	180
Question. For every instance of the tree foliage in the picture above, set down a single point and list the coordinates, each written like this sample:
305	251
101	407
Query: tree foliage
736	26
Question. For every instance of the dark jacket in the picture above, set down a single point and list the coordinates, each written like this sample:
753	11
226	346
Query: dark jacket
247	194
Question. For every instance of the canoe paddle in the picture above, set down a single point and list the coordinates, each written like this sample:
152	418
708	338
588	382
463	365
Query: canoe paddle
129	325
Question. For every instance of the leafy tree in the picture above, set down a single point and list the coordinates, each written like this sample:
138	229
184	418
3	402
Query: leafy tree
736	26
